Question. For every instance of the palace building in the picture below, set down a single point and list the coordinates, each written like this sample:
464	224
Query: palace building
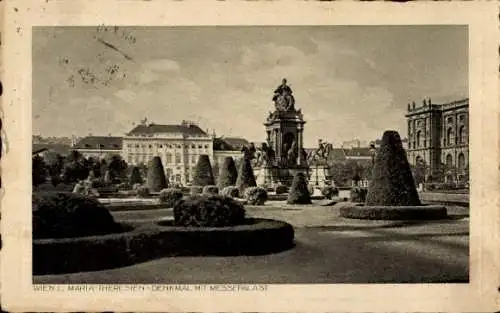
438	136
179	147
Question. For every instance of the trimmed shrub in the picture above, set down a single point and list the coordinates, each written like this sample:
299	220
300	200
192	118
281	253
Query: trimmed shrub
135	176
256	195
227	173
299	194
156	180
392	182
143	191
230	191
280	189
210	190
246	177
170	196
65	215
203	175
358	194
329	192
195	190
208	211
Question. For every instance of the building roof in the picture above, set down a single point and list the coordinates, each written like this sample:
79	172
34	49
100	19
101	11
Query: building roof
99	142
236	142
188	129
229	143
57	148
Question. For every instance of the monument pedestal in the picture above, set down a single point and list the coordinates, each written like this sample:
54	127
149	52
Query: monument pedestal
319	175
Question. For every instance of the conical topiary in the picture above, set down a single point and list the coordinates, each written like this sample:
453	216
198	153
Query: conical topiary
135	176
203	175
392	182
156	180
299	193
246	177
228	174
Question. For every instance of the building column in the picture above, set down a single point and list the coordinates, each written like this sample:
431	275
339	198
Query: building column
299	145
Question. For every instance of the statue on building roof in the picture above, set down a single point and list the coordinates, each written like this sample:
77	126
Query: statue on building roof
283	98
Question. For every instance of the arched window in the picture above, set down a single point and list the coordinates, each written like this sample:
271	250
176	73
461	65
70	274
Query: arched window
449	161
461	134
449	136
419	135
461	161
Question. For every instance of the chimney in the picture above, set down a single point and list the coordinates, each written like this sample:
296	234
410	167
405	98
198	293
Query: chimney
425	103
413	105
429	101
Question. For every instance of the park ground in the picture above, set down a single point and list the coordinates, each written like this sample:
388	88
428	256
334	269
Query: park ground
329	249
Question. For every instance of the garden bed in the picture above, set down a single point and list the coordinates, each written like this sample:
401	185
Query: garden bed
141	243
423	212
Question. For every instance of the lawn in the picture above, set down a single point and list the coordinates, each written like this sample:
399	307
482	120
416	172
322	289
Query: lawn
329	249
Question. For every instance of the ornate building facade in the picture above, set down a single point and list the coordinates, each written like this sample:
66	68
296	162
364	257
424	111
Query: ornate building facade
438	137
178	146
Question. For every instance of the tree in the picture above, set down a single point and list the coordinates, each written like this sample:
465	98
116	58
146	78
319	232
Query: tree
203	175
135	176
246	177
38	171
228	173
54	162
156	180
117	167
392	182
75	167
299	193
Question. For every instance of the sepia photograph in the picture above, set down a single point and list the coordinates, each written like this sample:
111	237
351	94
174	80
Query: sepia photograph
194	155
169	157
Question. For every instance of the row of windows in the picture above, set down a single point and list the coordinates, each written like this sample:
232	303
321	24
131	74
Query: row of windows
449	140
150	146
168	158
418	123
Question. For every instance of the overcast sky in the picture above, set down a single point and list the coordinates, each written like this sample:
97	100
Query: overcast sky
350	82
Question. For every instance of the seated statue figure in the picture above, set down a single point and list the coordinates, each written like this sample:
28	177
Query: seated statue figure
283	97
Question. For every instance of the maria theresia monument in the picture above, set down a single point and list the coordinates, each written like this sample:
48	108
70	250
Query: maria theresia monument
283	154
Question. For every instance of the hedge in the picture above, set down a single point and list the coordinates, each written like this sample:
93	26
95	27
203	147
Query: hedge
156	179
227	173
205	211
392	181
246	177
210	190
64	215
255	236
423	212
170	196
299	193
203	175
329	192
230	191
256	195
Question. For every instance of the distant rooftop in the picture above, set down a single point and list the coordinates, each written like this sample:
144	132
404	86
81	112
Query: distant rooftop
229	143
99	142
61	149
187	128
